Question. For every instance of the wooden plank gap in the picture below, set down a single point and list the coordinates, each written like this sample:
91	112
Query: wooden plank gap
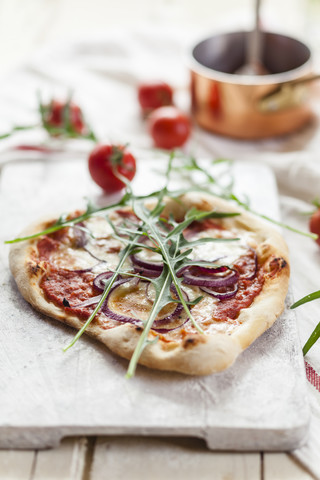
66	462
88	460
16	464
33	466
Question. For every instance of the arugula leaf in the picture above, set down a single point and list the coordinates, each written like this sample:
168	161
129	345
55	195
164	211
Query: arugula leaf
312	339
232	196
63	220
215	186
306	299
316	332
162	298
198	215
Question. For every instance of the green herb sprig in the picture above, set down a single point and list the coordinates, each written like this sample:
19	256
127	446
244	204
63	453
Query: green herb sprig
222	185
316	332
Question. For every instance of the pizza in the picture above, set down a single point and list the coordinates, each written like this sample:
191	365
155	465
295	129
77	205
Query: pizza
234	282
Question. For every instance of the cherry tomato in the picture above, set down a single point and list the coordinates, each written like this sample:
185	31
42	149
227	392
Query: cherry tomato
58	114
314	224
169	127
109	162
154	95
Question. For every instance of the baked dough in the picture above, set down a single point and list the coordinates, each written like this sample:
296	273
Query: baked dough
191	353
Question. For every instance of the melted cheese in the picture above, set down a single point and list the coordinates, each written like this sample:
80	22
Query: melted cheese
222	252
101	251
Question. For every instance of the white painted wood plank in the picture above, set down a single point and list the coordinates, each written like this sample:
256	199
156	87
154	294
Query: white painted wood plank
179	459
16	465
280	466
67	462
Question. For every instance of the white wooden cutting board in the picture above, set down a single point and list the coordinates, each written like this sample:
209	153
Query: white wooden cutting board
260	403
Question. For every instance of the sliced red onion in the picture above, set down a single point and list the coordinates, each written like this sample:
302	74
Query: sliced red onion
84	270
221	295
169	318
99	283
144	263
88	302
118	316
211	280
136	260
89	269
166	330
176	312
80	235
134	321
146	272
213	268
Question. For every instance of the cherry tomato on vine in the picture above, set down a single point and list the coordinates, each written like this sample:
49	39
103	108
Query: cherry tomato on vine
314	224
63	115
169	127
154	95
108	163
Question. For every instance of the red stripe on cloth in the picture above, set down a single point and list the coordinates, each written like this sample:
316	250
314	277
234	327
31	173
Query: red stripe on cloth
312	376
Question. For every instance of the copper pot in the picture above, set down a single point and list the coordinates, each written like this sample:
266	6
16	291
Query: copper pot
250	106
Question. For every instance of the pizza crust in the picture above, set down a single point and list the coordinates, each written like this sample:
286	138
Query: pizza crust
196	354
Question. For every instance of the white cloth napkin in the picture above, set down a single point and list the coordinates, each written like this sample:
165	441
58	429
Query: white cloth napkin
103	74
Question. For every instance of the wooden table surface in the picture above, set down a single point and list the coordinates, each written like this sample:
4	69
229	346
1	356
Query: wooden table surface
118	458
23	27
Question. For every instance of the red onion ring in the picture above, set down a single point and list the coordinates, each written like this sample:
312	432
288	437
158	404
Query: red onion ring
98	282
80	235
212	270
205	262
88	302
134	321
221	295
84	270
166	330
212	280
136	260
146	272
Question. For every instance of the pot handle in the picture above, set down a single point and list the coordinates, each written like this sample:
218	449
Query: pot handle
286	95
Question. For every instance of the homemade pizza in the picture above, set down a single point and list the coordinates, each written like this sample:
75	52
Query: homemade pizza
185	286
